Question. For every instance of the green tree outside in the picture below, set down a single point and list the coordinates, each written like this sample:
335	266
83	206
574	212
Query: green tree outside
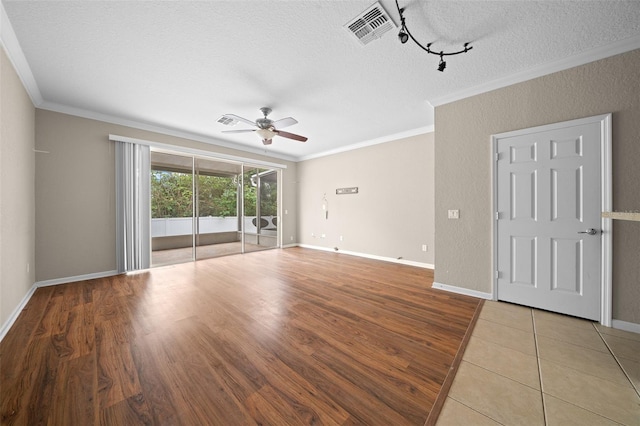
172	193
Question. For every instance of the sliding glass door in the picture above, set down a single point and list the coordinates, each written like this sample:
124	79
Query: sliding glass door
203	208
217	208
172	224
261	207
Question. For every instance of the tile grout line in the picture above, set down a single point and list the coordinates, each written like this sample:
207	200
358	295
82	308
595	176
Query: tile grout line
617	361
609	351
488	370
479	412
535	341
569	402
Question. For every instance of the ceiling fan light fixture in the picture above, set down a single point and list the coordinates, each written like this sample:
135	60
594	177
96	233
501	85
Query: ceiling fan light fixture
264	126
266	133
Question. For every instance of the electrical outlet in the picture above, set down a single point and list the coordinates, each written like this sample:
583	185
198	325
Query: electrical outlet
323	236
424	247
454	214
286	211
292	238
341	239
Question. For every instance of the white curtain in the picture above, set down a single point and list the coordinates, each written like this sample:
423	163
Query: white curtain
133	210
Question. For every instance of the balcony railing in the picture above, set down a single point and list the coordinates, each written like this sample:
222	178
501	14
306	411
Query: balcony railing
175	226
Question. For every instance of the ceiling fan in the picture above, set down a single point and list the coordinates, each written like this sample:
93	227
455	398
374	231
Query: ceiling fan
264	127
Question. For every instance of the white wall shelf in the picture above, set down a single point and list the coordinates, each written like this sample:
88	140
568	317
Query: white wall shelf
634	216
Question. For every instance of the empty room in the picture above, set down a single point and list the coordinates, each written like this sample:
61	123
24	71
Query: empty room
320	212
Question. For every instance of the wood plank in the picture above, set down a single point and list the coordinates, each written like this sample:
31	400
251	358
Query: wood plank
75	386
301	395
150	358
131	411
22	332
116	372
291	336
29	384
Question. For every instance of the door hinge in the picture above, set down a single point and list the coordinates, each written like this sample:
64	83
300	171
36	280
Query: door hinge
497	215
497	275
497	156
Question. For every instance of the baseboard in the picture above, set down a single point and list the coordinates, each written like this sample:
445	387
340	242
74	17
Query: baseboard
57	281
289	245
626	326
16	312
461	290
370	256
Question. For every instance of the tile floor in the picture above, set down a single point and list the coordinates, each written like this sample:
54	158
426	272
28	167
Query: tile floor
523	366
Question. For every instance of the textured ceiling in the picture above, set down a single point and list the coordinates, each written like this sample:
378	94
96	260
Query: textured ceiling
180	65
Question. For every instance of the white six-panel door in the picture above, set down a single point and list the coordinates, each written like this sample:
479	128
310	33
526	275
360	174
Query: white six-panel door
548	223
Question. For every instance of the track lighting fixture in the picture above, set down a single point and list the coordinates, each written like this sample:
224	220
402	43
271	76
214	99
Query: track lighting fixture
404	37
405	34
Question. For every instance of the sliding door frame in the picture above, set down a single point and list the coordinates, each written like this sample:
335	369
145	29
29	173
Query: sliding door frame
263	171
241	161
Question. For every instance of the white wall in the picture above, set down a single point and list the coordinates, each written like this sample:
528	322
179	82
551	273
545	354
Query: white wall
392	214
17	202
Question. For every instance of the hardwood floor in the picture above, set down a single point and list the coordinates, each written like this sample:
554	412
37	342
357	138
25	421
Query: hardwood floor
279	337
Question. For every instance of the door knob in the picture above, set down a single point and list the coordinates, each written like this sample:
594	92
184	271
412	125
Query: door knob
589	231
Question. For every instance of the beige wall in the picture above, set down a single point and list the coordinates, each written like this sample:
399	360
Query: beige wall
17	204
75	195
391	216
463	167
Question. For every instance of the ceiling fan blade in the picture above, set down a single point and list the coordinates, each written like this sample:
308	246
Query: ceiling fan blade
267	141
284	122
291	136
239	131
240	119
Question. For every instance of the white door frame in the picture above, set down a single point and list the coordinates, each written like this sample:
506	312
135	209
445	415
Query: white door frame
606	204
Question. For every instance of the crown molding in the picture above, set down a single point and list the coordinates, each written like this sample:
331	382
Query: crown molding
376	141
92	115
585	57
14	52
77	112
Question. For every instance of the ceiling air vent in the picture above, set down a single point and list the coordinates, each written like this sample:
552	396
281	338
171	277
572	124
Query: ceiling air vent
227	121
370	24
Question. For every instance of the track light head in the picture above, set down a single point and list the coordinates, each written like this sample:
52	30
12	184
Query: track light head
403	37
442	65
